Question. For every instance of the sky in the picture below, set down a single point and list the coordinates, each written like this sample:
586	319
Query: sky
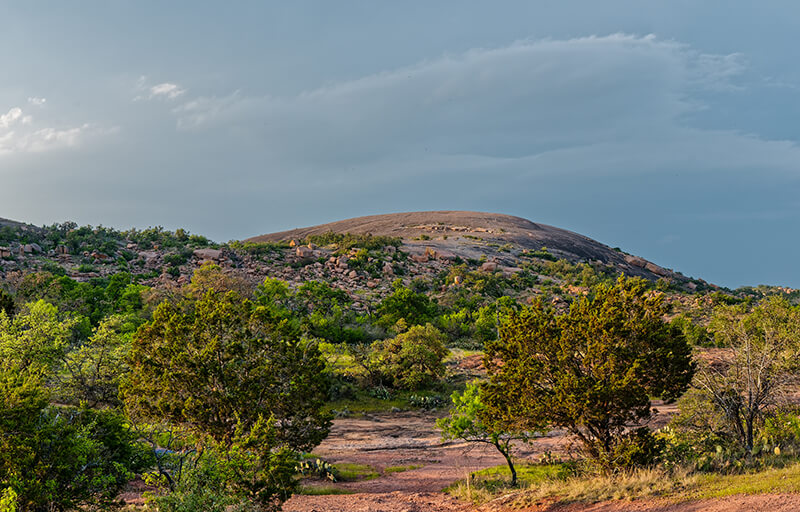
666	128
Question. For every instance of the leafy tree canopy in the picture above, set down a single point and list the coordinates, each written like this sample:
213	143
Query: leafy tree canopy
220	363
591	370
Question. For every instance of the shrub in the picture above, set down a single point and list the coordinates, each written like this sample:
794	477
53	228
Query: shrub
58	458
411	360
591	370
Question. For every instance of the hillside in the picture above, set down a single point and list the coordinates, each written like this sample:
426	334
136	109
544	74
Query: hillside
472	235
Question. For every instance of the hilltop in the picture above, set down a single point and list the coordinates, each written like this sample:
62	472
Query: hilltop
475	235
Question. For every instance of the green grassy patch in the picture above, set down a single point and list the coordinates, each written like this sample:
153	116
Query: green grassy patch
349	472
774	480
400	469
527	474
365	403
322	490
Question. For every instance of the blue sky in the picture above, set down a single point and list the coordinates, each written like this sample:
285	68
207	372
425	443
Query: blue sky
668	128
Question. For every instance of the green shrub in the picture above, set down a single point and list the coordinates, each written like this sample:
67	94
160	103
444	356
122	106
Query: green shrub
411	360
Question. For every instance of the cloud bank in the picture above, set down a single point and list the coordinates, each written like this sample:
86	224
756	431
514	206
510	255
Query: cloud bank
20	133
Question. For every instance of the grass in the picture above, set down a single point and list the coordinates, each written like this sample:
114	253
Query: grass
350	472
364	403
322	490
458	354
773	480
539	481
400	469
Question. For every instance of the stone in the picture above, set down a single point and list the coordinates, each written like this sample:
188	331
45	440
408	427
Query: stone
652	267
304	253
636	261
388	270
419	257
208	254
489	266
353	274
510	271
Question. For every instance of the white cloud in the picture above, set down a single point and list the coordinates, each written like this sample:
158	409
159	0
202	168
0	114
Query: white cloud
165	90
11	117
19	133
38	102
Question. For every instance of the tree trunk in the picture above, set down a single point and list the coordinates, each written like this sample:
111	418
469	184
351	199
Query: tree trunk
506	453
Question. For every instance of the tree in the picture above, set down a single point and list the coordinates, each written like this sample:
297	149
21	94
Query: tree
469	421
34	340
94	370
218	368
590	370
765	345
407	305
219	365
7	303
55	458
413	359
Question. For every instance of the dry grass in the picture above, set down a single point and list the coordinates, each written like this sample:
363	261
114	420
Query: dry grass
677	485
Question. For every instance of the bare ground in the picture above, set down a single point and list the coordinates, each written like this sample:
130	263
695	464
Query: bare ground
410	439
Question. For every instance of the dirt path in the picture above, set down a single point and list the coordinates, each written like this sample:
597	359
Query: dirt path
403	439
411	439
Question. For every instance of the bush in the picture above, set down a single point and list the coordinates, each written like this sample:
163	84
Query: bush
591	370
58	458
411	360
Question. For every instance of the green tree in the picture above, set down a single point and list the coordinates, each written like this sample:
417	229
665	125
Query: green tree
220	368
220	364
757	373
413	359
59	458
407	305
34	340
469	420
591	370
7	304
93	371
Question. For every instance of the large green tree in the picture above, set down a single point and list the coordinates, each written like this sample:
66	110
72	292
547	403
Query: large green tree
219	365
591	370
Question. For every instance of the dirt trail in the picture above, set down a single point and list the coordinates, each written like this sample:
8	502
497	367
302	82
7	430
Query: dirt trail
407	439
410	439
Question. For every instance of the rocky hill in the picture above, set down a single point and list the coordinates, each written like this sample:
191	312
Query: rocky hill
491	237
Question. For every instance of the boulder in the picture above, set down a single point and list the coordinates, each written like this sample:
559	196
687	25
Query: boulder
652	267
207	254
636	261
387	269
489	266
419	257
304	253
